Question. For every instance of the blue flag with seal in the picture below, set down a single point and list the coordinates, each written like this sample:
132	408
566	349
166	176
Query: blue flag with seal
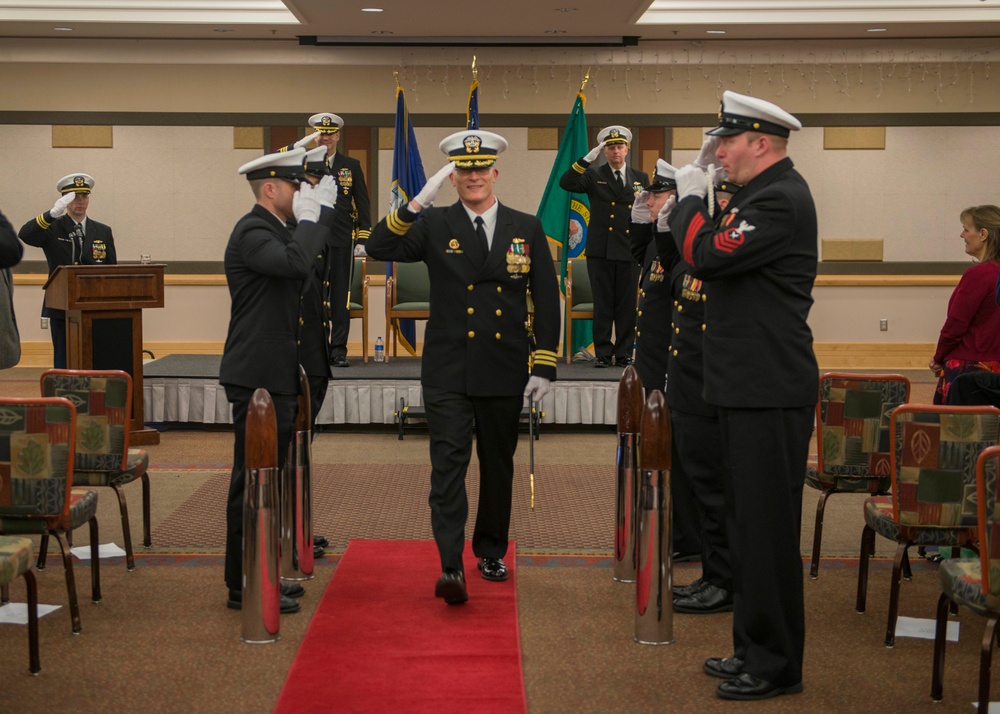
407	179
565	216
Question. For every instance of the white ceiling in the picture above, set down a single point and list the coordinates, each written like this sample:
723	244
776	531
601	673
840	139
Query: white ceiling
474	22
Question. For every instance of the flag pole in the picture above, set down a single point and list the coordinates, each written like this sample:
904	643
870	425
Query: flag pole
586	78
475	70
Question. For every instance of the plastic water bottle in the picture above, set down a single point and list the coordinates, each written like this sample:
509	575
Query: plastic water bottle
379	350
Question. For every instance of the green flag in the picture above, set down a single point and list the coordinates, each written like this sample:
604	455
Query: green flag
565	216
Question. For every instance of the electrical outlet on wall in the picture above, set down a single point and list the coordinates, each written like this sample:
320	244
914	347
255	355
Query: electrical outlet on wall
883	325
45	323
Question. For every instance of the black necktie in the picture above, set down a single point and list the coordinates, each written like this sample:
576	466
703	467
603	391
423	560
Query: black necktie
620	180
481	232
78	242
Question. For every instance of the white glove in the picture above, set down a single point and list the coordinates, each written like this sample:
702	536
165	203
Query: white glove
640	211
60	208
326	191
359	250
536	388
691	181
594	153
664	215
706	156
718	175
306	140
425	199
306	203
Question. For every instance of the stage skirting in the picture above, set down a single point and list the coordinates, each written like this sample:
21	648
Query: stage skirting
169	397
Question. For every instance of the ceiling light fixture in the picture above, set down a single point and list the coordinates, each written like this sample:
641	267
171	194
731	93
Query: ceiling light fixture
63	29
565	9
876	29
478	41
371	9
555	32
381	32
222	29
715	32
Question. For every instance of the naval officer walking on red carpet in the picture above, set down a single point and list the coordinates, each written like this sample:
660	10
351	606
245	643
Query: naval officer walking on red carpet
482	258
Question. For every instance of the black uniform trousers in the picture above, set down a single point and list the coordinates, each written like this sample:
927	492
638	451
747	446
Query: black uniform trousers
317	395
697	481
450	418
614	284
285	408
57	326
767	450
341	260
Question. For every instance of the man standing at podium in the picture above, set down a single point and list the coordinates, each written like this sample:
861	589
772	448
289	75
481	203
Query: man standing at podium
69	237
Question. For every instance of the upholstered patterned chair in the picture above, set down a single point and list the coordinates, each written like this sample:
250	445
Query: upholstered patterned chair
15	560
37	441
852	439
933	487
103	401
974	582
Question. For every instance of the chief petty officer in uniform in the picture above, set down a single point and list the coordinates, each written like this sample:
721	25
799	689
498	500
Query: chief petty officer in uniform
482	258
760	371
613	273
69	237
350	179
266	267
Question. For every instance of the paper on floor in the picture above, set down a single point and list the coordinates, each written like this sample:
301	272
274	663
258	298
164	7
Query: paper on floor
104	550
16	613
923	628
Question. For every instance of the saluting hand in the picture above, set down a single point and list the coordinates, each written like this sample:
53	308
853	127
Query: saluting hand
306	140
425	199
326	191
640	211
62	203
691	181
592	155
662	219
306	204
706	156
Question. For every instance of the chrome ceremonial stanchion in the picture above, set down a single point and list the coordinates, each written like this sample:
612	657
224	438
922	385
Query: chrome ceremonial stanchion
654	612
261	585
296	494
626	485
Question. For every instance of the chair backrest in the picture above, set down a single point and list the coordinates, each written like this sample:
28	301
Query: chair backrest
357	283
103	401
852	427
989	534
582	292
37	440
934	462
413	283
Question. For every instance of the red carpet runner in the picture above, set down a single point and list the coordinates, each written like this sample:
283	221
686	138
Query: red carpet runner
381	642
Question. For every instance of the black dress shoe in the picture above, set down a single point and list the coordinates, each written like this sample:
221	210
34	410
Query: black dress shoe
492	569
292	590
724	667
705	601
689	589
340	361
686	557
451	587
624	361
318	551
748	687
286	605
602	362
321	541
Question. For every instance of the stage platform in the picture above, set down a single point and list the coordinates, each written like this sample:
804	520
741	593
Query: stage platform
185	389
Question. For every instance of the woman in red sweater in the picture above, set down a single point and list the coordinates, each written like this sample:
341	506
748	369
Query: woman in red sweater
970	338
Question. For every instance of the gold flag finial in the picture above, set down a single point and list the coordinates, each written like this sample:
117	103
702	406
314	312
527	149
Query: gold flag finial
586	78
475	70
395	75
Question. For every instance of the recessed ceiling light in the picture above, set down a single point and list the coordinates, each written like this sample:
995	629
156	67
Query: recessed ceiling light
221	29
715	32
555	32
381	32
565	9
371	9
877	29
63	29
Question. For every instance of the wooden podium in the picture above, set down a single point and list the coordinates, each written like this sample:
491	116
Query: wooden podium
103	305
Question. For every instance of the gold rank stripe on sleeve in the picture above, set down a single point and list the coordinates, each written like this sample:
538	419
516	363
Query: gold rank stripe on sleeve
545	358
40	220
363	234
579	169
396	224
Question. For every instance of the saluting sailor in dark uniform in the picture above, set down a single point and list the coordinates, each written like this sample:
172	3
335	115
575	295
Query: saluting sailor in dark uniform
482	258
653	335
613	274
266	267
69	237
760	371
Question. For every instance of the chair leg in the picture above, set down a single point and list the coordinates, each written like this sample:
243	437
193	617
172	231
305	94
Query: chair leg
126	529
907	573
74	606
985	663
95	562
940	632
818	532
897	567
43	551
867	543
147	540
4	594
364	337
34	663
